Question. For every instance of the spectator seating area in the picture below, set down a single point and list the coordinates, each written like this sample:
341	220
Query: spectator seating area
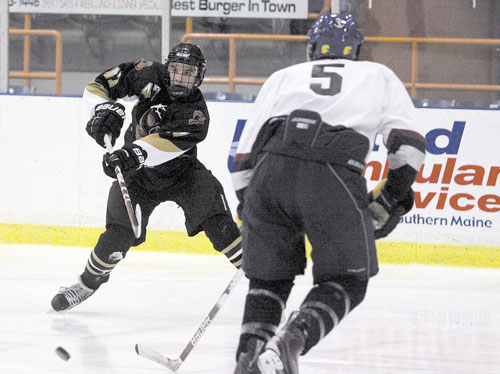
228	96
21	90
457	104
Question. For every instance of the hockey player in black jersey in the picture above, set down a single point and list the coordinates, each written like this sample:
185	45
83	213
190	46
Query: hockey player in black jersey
158	160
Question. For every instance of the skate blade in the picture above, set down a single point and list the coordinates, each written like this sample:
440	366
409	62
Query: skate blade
270	363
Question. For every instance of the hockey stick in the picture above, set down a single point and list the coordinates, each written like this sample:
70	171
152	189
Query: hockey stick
134	216
174	364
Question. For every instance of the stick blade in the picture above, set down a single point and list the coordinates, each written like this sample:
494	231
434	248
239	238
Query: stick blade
157	357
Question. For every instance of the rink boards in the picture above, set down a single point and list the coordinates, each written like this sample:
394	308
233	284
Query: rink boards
54	192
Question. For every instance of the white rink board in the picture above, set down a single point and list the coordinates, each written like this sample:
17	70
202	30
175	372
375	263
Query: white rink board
53	175
51	170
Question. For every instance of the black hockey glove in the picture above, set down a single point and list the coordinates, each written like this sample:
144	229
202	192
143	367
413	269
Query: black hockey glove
130	156
107	119
386	210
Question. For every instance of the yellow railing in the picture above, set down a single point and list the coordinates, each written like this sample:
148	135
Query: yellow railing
413	84
57	75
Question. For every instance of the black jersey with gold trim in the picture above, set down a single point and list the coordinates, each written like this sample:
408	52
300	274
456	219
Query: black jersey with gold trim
174	127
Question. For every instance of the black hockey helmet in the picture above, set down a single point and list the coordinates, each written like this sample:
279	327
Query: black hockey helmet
181	55
334	36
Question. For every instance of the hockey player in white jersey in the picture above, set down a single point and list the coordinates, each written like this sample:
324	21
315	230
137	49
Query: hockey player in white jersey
298	171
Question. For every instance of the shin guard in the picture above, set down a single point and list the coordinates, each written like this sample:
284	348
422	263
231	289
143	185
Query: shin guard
328	303
111	248
264	306
225	237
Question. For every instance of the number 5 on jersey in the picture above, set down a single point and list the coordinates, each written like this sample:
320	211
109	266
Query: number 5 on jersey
335	79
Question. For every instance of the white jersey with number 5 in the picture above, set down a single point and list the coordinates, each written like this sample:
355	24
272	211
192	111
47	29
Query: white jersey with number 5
364	96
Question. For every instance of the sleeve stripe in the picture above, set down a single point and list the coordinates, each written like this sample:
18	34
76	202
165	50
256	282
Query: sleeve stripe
98	90
398	137
159	150
241	162
241	179
161	144
406	155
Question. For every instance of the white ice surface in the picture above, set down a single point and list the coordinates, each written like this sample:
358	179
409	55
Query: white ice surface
415	319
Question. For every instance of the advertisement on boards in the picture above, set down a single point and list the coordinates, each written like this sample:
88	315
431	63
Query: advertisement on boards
241	9
457	195
287	9
108	7
457	199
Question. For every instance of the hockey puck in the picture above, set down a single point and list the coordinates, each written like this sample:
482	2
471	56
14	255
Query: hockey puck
61	352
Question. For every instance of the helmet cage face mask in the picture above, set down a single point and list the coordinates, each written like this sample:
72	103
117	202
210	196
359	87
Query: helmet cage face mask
334	36
185	67
182	74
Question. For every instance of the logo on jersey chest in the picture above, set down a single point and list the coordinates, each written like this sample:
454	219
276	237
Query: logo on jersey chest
198	118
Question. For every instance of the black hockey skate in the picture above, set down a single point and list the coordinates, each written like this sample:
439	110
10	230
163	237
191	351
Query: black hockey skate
248	361
282	351
69	297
